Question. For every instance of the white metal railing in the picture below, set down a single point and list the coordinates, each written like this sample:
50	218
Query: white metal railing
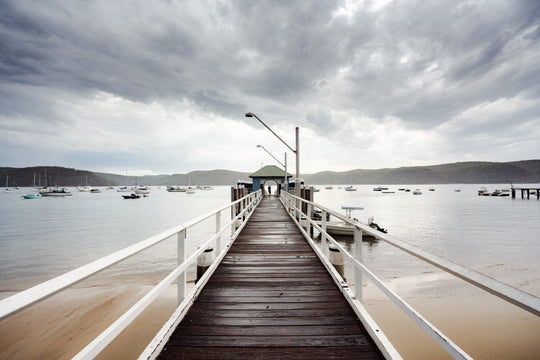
241	211
306	223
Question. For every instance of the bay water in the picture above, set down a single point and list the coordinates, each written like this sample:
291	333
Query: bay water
496	236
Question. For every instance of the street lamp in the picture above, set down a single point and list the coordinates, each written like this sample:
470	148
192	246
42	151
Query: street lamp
297	152
279	162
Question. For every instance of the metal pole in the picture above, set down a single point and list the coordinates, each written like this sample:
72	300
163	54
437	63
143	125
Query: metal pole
297	182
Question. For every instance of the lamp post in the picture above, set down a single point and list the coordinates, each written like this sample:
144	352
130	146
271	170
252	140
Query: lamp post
297	152
279	162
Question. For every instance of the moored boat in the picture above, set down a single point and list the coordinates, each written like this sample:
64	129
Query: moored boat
176	189
54	192
131	196
142	190
31	196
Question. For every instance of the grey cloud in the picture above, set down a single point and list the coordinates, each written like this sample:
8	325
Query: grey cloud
421	62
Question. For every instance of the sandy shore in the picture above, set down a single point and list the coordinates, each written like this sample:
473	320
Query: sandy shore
485	327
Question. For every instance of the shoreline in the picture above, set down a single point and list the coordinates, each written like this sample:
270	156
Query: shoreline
482	325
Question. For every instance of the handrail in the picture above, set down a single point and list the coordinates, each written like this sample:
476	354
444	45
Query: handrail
40	292
517	297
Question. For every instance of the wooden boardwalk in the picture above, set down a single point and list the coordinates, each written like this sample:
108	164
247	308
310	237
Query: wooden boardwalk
270	298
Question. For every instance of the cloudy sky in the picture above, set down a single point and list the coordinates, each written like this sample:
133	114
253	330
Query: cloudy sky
161	87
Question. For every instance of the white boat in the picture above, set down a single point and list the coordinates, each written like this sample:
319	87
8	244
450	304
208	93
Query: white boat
8	190
142	190
483	192
191	190
123	189
350	188
84	188
417	192
380	188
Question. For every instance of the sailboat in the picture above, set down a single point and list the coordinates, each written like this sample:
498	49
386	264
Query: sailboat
7	187
124	188
190	189
32	195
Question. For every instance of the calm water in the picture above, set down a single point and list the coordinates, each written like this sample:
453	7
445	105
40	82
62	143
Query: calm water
499	237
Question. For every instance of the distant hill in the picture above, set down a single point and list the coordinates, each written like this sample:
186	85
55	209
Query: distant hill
475	172
49	176
210	177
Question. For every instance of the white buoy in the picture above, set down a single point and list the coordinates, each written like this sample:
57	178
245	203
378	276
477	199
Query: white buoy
204	261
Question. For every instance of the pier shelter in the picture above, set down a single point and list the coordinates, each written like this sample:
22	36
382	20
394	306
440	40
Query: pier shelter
269	173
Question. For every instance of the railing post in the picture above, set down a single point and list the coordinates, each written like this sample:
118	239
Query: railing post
218	228
181	257
358	256
308	217
324	244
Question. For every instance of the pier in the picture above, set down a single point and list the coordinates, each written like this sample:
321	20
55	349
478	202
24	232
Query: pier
526	192
270	298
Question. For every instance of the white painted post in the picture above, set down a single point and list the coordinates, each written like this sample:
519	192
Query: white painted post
218	228
358	256
324	244
181	257
308	217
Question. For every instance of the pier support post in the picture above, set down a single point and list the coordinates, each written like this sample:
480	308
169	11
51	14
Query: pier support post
181	257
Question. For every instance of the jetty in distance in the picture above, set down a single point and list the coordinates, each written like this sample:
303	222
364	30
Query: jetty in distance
270	284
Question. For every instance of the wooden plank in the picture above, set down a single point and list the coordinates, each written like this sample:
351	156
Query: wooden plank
265	341
218	353
348	329
270	298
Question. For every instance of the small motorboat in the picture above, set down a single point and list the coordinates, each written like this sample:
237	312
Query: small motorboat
350	188
31	196
417	192
132	196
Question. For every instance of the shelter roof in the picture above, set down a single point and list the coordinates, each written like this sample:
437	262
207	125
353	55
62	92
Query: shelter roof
269	172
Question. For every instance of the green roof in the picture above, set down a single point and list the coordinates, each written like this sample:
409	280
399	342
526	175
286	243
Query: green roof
268	172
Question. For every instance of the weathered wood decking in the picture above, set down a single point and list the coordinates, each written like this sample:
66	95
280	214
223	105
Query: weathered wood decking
270	298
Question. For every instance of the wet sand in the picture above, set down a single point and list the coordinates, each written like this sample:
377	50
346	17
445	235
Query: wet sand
485	327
